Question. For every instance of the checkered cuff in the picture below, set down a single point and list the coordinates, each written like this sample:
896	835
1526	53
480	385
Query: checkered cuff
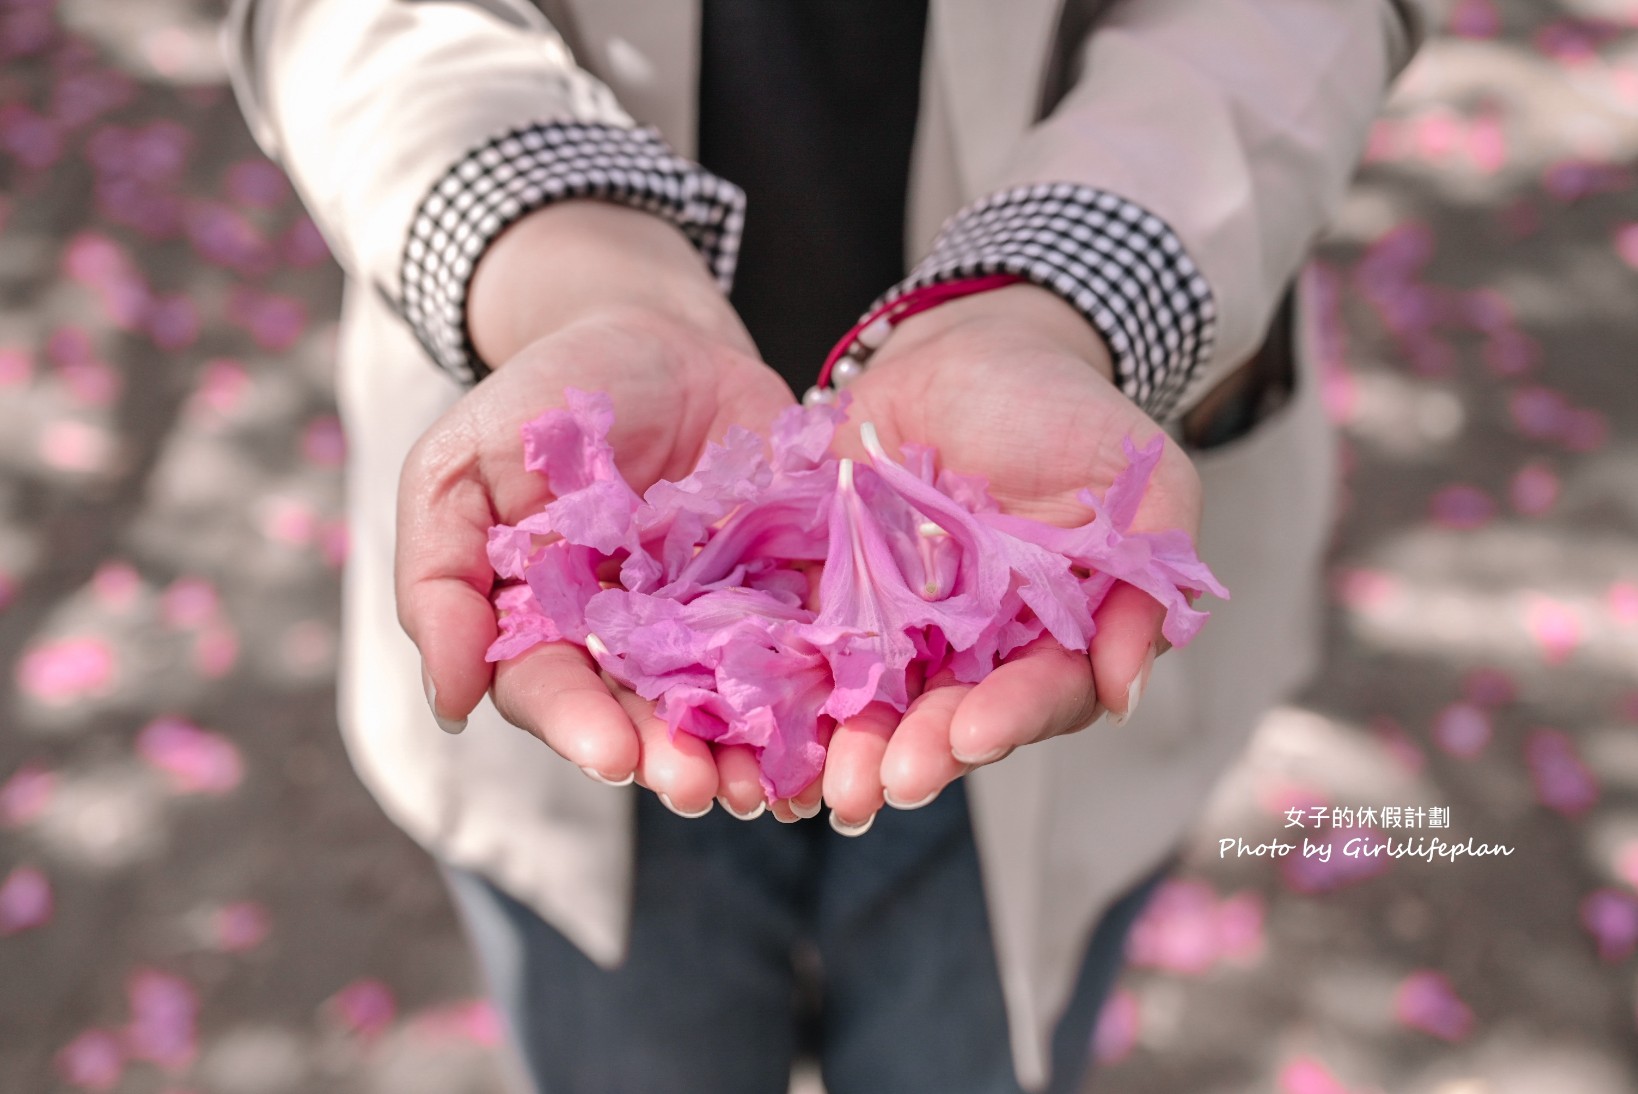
525	168
1117	263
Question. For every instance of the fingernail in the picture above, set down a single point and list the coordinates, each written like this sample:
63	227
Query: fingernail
907	806
597	776
979	761
448	725
666	801
761	808
1134	693
851	830
805	812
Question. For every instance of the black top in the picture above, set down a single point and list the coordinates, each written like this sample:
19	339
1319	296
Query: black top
811	108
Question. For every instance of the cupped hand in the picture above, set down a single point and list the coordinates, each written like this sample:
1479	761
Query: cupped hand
605	299
1013	385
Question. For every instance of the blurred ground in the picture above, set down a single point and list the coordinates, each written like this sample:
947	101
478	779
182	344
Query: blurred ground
196	895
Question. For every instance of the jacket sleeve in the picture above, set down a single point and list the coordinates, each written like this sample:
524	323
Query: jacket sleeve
415	131
1195	151
1236	123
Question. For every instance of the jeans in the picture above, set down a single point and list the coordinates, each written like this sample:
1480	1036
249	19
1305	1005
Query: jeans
752	942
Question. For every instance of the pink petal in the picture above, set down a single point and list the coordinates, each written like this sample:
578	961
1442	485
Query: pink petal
1555	627
92	1061
1398	746
1306	1075
1177	932
303	246
1489	687
323	443
1611	917
1463	730
564	579
1562	780
1626	863
257	184
1462	507
1426	1002
240	927
1116	1034
364	1008
69	669
116	585
1240	927
174	323
475	1021
1310	875
215	651
194	760
26	795
1539	413
1626	244
1475	19
1534	490
189	603
164	1012
25	901
1623	603
16	367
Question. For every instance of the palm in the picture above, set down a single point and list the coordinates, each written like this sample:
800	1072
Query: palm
672	391
1039	425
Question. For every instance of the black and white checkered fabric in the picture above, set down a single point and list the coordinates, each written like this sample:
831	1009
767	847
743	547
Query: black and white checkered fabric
1116	262
525	168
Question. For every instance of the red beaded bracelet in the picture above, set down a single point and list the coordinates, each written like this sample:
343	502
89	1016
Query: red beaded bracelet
847	360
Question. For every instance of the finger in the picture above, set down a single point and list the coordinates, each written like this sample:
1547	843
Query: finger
681	770
852	779
919	764
1041	692
1124	648
739	784
803	805
442	580
555	692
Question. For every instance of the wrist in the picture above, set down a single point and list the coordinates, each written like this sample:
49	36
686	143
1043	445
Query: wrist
1023	309
575	259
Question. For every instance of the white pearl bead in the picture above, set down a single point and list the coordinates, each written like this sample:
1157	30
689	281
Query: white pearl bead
875	332
819	396
845	371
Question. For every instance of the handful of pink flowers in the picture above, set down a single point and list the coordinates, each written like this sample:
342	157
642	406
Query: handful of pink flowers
710	614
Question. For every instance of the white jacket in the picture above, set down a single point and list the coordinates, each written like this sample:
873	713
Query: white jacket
1237	122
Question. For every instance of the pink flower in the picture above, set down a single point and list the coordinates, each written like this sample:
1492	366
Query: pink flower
1162	564
710	617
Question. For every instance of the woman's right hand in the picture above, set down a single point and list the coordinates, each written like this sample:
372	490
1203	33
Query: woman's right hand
603	298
